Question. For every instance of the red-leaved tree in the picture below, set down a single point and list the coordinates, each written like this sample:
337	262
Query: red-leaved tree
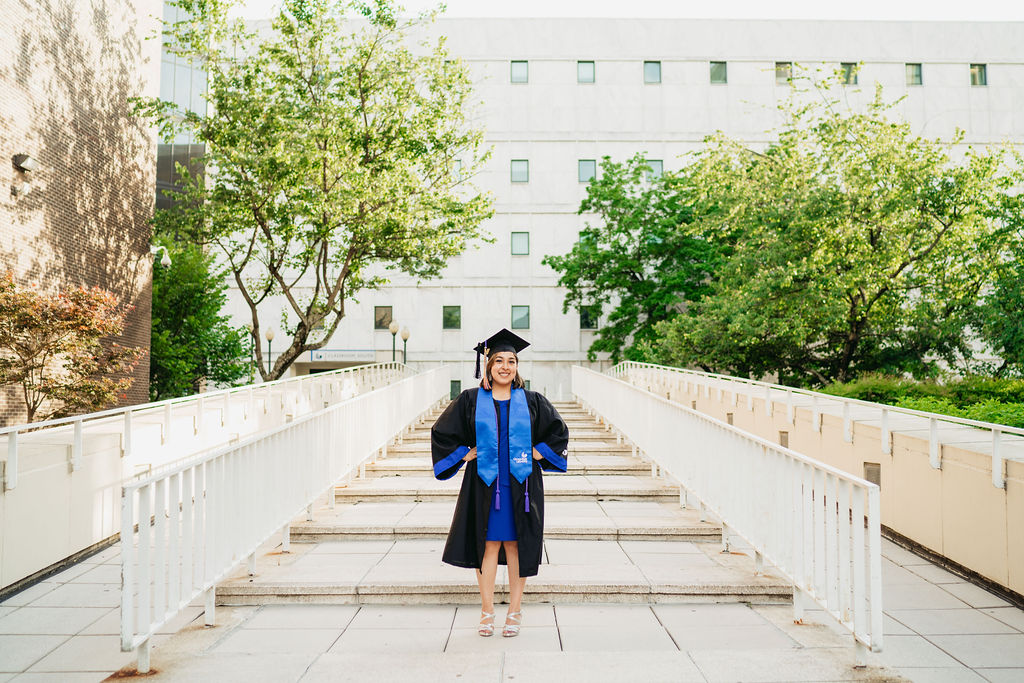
52	346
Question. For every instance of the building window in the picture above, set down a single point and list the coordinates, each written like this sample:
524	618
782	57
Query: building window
520	71
783	73
520	243
719	73
914	74
652	72
585	72
526	384
848	72
657	167
520	317
589	316
587	170
520	171
381	317
979	74
451	317
455	390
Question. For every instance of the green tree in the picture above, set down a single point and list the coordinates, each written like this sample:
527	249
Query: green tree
1000	315
54	347
338	151
858	246
639	261
191	340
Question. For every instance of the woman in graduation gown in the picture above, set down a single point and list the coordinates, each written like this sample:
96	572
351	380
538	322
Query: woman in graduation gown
505	436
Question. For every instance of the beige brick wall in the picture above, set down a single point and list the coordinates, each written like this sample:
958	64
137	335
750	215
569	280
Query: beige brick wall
67	69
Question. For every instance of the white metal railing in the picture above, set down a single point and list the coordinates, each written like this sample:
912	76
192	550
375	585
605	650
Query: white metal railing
197	521
819	526
644	374
317	390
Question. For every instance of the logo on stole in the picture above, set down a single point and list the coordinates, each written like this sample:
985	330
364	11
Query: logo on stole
522	458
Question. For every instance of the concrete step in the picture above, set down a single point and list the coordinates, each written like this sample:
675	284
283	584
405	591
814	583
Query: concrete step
411	572
422	447
423	436
556	487
416	463
591	520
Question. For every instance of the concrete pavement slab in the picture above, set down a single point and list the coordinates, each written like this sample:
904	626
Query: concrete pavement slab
895	575
302	617
352	547
234	667
762	636
279	640
998	650
914	596
900	555
975	596
30	594
386	641
934	573
425	667
607	616
959	674
614	639
950	621
996	675
671	560
780	665
911	651
530	639
565	551
81	595
18	652
647	547
601	667
404	617
817	629
50	620
62	677
87	653
103	573
700	615
1012	616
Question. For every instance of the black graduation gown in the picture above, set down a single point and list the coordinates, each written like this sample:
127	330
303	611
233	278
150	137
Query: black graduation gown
457	427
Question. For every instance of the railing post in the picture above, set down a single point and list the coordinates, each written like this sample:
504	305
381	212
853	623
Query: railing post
847	423
286	539
886	436
165	437
998	477
143	662
934	448
210	607
126	446
11	466
76	448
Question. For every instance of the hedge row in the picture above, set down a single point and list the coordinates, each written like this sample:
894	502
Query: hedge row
976	398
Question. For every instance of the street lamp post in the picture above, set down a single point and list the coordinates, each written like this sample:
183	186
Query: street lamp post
393	329
405	341
269	334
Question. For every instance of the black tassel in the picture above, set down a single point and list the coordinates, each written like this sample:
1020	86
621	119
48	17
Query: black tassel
477	374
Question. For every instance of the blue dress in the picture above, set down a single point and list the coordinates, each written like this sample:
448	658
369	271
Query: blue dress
501	526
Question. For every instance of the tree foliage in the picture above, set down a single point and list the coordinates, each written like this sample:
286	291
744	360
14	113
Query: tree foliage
857	246
337	150
638	261
53	347
191	341
1000	316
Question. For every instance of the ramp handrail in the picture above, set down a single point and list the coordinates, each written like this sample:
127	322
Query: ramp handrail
632	371
820	527
326	384
200	519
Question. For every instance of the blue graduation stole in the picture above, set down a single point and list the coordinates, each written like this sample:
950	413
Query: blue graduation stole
520	437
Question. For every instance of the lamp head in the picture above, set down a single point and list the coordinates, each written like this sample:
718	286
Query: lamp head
393	327
25	162
405	334
269	334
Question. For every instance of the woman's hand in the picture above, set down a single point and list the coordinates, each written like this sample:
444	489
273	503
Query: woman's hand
472	454
537	455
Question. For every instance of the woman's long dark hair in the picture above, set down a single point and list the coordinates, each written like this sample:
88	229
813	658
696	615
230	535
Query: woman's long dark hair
517	382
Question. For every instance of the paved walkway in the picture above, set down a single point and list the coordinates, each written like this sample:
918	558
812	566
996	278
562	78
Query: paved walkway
938	628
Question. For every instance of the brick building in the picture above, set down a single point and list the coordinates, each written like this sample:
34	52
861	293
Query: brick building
67	69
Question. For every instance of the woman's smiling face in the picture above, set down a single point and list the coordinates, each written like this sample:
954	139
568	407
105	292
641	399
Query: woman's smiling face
503	368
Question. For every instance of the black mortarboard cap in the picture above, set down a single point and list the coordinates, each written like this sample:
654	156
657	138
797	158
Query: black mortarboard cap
500	341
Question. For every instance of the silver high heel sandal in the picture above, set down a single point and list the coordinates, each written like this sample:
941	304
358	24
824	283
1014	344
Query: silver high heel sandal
511	630
486	629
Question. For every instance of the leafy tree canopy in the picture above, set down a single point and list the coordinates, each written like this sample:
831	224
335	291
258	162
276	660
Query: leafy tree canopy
336	149
191	340
51	345
858	246
639	261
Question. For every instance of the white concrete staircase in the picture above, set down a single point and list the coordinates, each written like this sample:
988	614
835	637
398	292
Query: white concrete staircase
613	533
